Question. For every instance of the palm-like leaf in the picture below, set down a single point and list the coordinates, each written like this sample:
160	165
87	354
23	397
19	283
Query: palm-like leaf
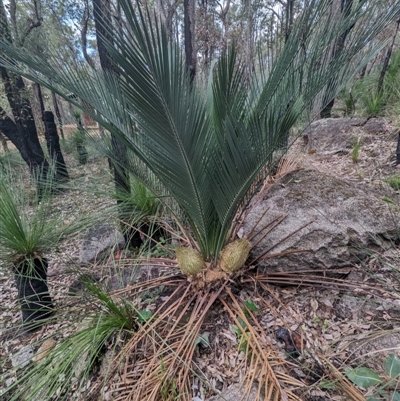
207	151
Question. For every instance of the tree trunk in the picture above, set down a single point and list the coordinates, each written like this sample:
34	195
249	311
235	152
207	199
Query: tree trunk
189	25
33	292
398	150
79	139
24	125
288	18
36	162
387	60
58	114
103	24
53	145
284	140
328	102
52	140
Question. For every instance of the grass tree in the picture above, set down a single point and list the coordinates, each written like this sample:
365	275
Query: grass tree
26	233
208	147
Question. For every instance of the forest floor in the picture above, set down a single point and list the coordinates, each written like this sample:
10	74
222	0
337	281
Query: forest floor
340	327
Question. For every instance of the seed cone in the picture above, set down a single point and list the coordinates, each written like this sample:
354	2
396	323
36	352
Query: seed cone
189	260
234	255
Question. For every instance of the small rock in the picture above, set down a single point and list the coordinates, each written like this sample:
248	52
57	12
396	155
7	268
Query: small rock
22	357
98	240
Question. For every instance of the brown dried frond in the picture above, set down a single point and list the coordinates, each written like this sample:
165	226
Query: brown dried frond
158	359
261	359
342	383
287	164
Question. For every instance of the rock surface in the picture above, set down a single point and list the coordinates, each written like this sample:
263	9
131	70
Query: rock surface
332	135
23	357
98	240
342	222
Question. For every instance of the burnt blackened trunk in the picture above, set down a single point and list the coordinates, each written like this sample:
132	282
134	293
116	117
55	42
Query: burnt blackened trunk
154	233
52	140
37	164
33	292
24	124
398	150
53	145
25	136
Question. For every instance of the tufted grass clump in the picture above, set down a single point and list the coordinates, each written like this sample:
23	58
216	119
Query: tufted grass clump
394	181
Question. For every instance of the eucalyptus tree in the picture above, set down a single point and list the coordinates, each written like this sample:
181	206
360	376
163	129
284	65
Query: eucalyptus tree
205	148
22	129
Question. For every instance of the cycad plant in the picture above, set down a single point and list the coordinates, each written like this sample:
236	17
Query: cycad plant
26	233
207	146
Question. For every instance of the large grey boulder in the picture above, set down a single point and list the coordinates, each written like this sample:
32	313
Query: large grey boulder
343	222
98	240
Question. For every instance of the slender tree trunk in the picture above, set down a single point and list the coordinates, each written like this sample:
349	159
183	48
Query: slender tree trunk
103	24
52	139
387	60
284	140
189	26
288	18
58	114
328	102
53	144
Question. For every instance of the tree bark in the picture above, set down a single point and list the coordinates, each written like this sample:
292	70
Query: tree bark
289	18
398	150
52	140
328	103
24	125
387	60
85	20
58	114
189	26
103	24
53	144
10	129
